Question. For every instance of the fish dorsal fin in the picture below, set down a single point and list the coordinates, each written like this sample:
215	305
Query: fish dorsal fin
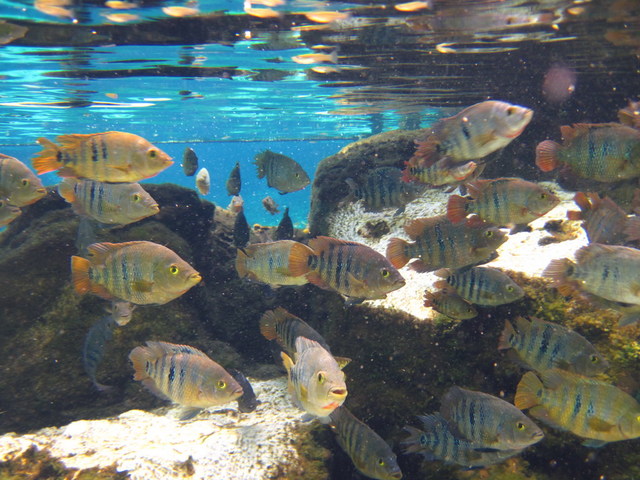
318	244
524	325
342	361
555	378
416	227
303	343
569	132
474	221
74	140
160	349
600	425
98	252
592	250
476	187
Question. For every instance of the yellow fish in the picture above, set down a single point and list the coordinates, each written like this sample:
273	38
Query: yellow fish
18	185
105	157
269	262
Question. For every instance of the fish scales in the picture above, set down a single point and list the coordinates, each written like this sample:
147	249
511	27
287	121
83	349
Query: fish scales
481	285
285	328
271	262
18	185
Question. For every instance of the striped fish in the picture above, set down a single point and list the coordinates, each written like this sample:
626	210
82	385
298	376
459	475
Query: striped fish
316	382
606	152
383	188
18	185
449	303
481	285
584	406
99	335
443	172
104	157
8	213
442	244
184	375
541	346
487	420
285	328
138	272
473	133
370	454
108	203
283	173
350	268
502	201
270	262
436	442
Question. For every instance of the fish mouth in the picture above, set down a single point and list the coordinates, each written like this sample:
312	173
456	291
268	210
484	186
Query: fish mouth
155	207
41	190
195	277
397	474
338	392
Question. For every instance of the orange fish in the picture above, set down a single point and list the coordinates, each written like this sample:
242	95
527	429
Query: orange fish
104	157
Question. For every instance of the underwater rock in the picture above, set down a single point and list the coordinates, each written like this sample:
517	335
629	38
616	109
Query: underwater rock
374	229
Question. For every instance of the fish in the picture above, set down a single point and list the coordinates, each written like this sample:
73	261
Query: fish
184	375
121	312
480	285
95	342
473	133
104	157
141	272
120	5
236	204
442	172
203	181
370	454
541	346
436	442
350	268
310	58
511	202
270	262
121	17
603	220
449	303
189	162
283	173
241	230
586	407
316	383
108	203
285	328
8	212
630	115
175	11
284	230
438	243
326	16
270	205
487	421
18	185
606	152
413	6
383	188
234	182
247	402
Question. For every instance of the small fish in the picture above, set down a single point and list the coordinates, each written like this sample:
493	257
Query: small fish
383	188
189	162
442	244
285	231
138	272
541	346
261	12
241	230
104	157
473	133
203	181
606	152
350	268
108	203
316	383
413	6
442	172
604	221
270	205
285	328
630	115
120	5
184	375
586	407
503	201
236	204
437	442
121	17
370	454
18	185
310	58
481	285
180	11
121	312
8	213
99	335
449	303
248	402
234	182
283	173
487	421
326	17
270	262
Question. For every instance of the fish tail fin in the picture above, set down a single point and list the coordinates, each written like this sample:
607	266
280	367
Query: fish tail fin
412	443
268	324
260	164
66	190
396	252
558	271
528	392
632	229
547	155
80	274
241	263
505	337
574	215
47	159
139	357
583	201
429	299
299	259
333	56
457	208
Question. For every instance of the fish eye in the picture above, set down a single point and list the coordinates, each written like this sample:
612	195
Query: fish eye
520	426
509	288
385	273
25	182
136	197
381	462
594	359
488	233
152	153
297	175
221	384
638	418
543	196
511	111
321	378
173	269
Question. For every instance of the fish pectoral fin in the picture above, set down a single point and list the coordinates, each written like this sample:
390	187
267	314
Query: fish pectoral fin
600	425
142	286
342	361
485	138
304	393
593	443
356	282
188	413
286	360
122	168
